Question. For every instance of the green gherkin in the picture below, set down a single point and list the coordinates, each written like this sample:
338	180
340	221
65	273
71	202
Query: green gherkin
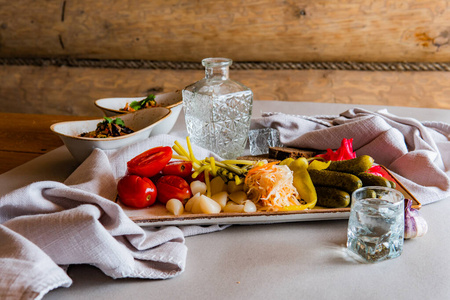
374	180
352	166
341	180
332	197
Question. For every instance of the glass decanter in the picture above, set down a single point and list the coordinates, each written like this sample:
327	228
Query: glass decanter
218	110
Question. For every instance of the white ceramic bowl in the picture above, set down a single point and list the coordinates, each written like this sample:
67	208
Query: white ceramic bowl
143	122
173	101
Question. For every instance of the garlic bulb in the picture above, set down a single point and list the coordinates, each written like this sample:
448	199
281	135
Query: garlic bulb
415	224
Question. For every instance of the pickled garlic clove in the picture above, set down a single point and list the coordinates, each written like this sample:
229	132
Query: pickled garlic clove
175	207
208	205
249	206
198	186
232	207
221	198
415	224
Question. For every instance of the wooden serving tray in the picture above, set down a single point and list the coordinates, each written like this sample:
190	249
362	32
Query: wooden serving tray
157	215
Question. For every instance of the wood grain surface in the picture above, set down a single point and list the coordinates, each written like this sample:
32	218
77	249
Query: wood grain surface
249	31
26	136
72	91
256	30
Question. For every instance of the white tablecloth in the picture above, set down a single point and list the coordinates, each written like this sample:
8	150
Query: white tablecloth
304	260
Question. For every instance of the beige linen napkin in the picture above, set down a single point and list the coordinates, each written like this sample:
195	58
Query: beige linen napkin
47	226
418	153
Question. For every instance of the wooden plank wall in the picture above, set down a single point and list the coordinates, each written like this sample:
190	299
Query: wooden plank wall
258	32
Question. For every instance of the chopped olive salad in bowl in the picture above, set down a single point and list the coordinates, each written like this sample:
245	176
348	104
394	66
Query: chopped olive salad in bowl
82	137
124	105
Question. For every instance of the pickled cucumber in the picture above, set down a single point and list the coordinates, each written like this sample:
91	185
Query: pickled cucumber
374	180
332	197
343	181
353	166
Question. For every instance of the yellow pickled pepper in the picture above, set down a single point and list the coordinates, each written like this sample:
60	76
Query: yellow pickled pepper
319	165
303	183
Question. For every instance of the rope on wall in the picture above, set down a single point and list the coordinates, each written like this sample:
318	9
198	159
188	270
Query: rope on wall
175	65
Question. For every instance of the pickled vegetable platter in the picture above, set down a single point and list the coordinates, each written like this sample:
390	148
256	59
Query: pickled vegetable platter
203	192
157	215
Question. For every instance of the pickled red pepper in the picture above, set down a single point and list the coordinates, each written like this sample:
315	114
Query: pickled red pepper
345	152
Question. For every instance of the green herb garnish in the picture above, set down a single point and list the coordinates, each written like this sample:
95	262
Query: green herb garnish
150	100
117	121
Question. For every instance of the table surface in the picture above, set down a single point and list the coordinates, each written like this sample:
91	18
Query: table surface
302	260
26	136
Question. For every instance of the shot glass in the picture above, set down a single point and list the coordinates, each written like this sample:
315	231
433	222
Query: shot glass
376	224
261	139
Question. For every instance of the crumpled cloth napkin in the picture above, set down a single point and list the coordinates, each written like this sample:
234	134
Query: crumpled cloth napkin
47	226
418	153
